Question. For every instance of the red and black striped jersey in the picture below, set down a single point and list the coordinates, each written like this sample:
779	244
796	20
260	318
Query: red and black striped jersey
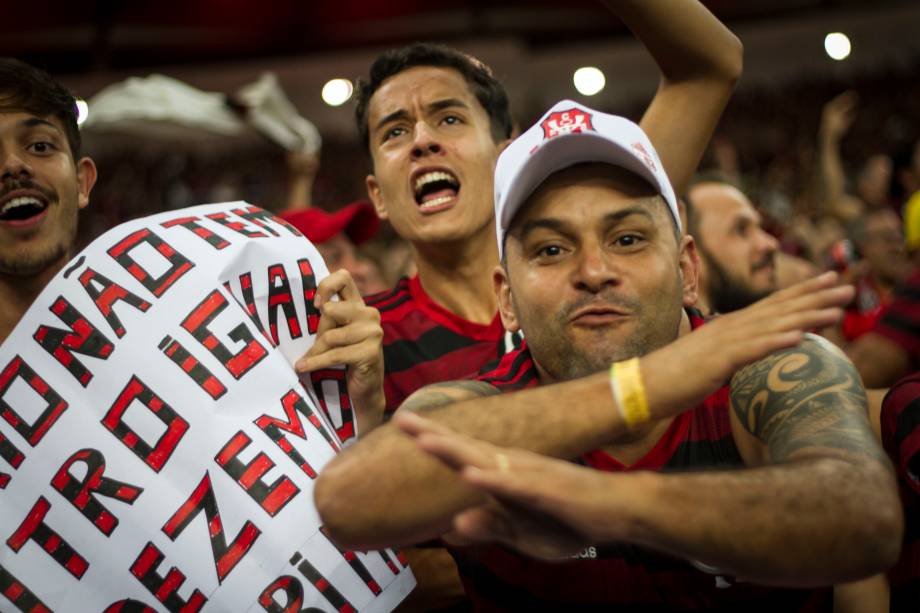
425	343
622	576
900	320
900	421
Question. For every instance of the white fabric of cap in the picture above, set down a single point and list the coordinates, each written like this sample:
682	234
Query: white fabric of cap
568	134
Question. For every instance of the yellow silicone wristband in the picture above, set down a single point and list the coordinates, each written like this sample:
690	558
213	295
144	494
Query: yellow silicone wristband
629	392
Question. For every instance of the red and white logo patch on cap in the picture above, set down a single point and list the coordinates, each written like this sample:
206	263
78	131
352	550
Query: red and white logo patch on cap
637	146
566	122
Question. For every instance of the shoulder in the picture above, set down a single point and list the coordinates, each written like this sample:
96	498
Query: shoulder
803	398
812	361
390	299
513	370
447	392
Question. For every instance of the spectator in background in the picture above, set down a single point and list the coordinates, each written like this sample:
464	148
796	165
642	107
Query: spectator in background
905	180
738	257
900	431
872	179
337	235
878	240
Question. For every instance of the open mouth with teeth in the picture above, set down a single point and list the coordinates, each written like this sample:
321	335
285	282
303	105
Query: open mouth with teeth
435	188
22	208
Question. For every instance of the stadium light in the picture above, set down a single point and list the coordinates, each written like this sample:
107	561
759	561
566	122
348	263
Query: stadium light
337	91
82	110
589	80
837	46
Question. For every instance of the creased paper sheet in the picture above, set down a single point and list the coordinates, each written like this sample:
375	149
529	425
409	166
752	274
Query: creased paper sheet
156	446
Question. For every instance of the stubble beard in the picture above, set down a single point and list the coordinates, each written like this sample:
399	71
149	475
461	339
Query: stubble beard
726	291
565	360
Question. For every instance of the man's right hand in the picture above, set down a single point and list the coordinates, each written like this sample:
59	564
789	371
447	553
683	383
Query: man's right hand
684	372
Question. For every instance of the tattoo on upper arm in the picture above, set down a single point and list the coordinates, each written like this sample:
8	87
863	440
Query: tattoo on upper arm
804	399
447	392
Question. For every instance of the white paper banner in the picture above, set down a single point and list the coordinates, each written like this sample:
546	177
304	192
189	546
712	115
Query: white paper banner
157	450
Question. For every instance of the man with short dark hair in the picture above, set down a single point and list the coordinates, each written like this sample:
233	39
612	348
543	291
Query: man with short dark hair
44	182
701	494
737	255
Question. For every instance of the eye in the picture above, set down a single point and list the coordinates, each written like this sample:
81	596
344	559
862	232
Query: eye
628	240
452	120
549	251
41	147
393	133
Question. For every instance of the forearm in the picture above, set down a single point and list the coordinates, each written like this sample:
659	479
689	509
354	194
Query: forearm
299	193
700	62
805	523
831	179
386	491
685	39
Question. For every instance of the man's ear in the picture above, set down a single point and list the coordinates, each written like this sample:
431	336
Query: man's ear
505	301
373	192
689	263
86	179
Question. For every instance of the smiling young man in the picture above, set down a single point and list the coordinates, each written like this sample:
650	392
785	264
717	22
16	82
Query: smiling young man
44	182
694	494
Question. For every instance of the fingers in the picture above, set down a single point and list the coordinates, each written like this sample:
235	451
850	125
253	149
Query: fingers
819	282
414	424
352	356
457	451
338	282
349	333
482	524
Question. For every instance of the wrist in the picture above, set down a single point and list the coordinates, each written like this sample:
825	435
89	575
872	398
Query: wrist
626	517
628	390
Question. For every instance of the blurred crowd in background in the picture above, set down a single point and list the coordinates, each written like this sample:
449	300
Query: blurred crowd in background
818	159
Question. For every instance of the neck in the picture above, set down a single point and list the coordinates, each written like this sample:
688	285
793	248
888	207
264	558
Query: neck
458	275
16	296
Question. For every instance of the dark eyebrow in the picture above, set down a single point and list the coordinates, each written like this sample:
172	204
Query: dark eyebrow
34	122
400	114
559	226
620	215
446	103
435	106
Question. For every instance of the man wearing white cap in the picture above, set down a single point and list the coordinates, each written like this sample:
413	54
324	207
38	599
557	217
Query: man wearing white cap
702	493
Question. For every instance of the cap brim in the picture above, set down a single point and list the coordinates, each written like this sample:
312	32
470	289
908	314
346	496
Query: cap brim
562	152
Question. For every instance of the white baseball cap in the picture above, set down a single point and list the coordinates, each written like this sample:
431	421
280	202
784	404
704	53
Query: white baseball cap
568	134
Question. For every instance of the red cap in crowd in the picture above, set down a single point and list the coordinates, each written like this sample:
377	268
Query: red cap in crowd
358	220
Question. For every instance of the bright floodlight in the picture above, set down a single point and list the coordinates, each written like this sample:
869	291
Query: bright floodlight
337	91
589	80
82	111
837	46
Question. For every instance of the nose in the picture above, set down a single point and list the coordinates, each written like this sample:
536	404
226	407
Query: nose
425	142
13	164
594	270
768	242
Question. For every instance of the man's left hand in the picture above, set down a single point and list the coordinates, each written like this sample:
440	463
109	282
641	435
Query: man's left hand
349	333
